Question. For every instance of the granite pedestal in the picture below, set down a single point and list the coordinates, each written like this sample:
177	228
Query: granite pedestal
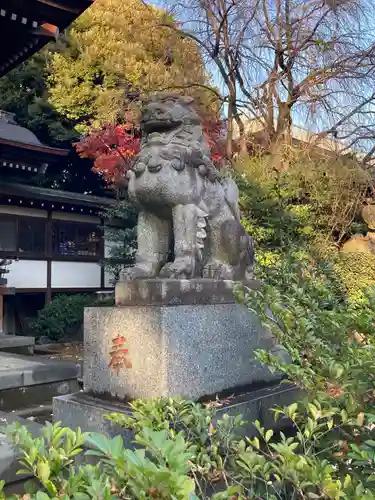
185	338
191	349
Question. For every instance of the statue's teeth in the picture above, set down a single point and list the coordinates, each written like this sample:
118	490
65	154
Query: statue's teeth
202	211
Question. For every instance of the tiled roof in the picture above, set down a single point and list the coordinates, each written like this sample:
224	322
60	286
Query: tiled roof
13	134
10	131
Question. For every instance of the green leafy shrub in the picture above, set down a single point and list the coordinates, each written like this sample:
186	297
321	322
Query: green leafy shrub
306	310
214	444
313	463
62	317
331	341
120	473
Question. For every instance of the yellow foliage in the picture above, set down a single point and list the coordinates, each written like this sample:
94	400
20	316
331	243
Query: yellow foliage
117	47
356	272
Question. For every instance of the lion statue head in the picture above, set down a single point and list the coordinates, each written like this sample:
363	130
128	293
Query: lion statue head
172	136
166	112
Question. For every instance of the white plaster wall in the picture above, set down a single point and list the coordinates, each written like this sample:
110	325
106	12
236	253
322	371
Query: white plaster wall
107	248
27	274
75	275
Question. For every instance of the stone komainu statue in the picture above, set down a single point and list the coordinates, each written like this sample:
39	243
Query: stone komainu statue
182	200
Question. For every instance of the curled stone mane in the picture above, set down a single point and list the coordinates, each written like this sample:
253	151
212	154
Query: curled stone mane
172	136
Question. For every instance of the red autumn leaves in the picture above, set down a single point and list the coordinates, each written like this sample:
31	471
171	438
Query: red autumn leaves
113	147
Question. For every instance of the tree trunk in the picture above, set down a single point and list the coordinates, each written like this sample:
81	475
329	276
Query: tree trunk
242	136
281	137
229	141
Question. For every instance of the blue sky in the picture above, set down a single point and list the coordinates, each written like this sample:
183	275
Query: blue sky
302	116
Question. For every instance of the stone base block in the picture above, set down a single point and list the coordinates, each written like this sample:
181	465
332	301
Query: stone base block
17	344
88	413
173	292
20	371
23	398
9	464
28	380
189	351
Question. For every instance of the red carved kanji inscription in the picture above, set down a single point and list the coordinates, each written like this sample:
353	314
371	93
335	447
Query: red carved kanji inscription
119	354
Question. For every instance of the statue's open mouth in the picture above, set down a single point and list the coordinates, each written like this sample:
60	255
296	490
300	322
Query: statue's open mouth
154	168
159	126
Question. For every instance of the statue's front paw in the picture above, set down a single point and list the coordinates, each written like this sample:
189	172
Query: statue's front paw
179	269
217	270
136	272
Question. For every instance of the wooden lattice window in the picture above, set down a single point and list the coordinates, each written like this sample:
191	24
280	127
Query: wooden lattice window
75	239
22	235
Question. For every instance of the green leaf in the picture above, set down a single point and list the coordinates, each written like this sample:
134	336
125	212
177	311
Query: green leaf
313	410
99	442
268	435
347	481
43	471
42	496
255	442
291	410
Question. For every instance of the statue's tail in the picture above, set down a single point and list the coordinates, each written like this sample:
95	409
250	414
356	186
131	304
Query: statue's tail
201	231
232	195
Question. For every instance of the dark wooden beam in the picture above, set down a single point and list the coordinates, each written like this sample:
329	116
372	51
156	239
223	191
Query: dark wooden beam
61	6
48	243
27	25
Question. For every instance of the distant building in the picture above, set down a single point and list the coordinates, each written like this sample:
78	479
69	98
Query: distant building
316	143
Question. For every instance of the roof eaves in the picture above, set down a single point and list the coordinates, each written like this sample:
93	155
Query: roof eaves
48	194
34	147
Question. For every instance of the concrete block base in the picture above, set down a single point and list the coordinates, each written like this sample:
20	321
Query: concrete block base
88	413
9	464
23	398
